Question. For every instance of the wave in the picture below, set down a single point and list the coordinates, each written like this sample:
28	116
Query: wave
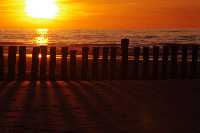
104	36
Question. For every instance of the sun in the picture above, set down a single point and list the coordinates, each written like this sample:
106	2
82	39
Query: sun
46	9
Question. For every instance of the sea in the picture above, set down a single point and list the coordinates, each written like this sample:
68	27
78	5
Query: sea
97	37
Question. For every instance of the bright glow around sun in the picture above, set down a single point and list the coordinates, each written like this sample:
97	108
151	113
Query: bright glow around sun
41	8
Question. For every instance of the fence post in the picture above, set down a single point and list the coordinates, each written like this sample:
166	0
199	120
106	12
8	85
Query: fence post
73	74
136	62
174	50
184	62
113	61
43	64
1	64
145	62
155	62
11	62
104	69
52	64
195	50
124	61
84	71
35	63
64	68
22	63
165	61
95	69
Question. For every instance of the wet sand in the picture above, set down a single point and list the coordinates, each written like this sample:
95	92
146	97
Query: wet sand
98	106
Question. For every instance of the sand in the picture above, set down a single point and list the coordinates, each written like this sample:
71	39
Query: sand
98	106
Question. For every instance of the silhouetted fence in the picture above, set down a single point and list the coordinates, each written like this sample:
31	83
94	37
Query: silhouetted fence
100	63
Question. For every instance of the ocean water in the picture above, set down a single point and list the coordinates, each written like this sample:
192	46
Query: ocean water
96	37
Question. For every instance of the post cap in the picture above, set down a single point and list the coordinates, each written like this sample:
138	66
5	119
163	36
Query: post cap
125	42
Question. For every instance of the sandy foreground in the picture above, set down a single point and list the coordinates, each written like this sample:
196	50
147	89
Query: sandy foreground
98	106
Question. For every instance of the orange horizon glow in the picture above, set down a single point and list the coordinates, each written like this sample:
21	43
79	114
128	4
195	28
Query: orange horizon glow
101	14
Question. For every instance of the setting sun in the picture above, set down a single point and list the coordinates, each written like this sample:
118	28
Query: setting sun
41	8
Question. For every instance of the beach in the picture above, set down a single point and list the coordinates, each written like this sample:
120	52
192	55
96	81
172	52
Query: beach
98	106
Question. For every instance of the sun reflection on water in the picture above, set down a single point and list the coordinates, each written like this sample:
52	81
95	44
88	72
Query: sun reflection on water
41	37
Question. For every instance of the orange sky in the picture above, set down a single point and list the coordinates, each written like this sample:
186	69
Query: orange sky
103	14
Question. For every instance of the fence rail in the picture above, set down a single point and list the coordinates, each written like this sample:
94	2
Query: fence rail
100	63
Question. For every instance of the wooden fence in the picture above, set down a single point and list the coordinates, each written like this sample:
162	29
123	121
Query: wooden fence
106	63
